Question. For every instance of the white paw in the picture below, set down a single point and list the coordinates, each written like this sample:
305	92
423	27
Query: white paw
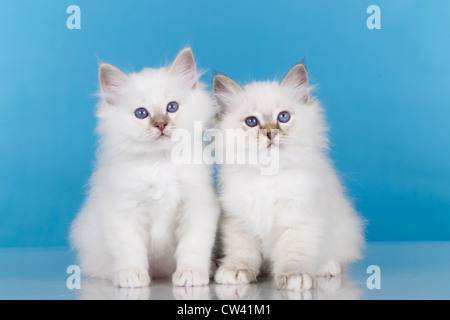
329	268
232	276
129	278
190	278
295	281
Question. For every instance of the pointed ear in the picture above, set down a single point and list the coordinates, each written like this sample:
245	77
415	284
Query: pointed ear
184	66
225	90
297	80
111	82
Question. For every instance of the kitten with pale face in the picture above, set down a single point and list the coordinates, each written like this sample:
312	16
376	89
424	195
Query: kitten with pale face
297	221
144	215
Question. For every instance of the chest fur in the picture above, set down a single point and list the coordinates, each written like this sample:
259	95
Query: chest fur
265	202
153	187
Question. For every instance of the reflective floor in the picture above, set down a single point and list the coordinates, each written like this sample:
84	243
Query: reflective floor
390	270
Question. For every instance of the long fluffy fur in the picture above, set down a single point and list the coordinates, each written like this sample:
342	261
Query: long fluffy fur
298	222
144	215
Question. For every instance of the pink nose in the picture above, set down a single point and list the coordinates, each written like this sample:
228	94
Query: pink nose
161	125
272	134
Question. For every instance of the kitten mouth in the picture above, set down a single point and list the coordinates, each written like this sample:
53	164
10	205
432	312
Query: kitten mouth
272	144
163	135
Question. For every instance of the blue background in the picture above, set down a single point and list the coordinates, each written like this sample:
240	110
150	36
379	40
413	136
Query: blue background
386	94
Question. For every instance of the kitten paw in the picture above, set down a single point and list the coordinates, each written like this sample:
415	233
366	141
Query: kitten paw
329	268
190	278
233	276
295	281
131	279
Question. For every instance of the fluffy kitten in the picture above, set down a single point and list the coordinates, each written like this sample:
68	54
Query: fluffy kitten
297	220
145	216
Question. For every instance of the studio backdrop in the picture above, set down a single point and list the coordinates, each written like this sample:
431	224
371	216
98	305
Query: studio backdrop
381	70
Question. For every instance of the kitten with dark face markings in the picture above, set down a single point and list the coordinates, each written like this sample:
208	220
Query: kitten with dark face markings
146	216
297	220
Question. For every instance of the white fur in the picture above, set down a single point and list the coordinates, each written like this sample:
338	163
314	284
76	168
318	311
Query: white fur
145	216
299	220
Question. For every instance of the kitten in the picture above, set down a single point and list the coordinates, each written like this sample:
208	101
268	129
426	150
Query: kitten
297	220
144	215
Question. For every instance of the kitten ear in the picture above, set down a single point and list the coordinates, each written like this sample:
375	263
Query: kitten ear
184	66
297	80
225	89
111	82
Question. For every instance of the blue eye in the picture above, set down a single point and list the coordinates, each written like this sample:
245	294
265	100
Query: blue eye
284	116
172	107
141	113
251	121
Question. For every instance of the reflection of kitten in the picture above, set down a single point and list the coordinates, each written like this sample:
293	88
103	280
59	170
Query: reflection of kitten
146	216
299	218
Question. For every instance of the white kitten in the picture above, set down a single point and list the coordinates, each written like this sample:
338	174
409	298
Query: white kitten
298	220
145	216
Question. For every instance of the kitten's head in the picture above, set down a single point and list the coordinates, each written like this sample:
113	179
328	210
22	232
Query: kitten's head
273	115
138	112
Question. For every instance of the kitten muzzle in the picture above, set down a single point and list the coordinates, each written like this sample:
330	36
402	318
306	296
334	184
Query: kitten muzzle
161	125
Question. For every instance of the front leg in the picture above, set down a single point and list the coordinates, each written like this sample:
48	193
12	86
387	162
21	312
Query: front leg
295	258
296	253
196	234
125	239
243	256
